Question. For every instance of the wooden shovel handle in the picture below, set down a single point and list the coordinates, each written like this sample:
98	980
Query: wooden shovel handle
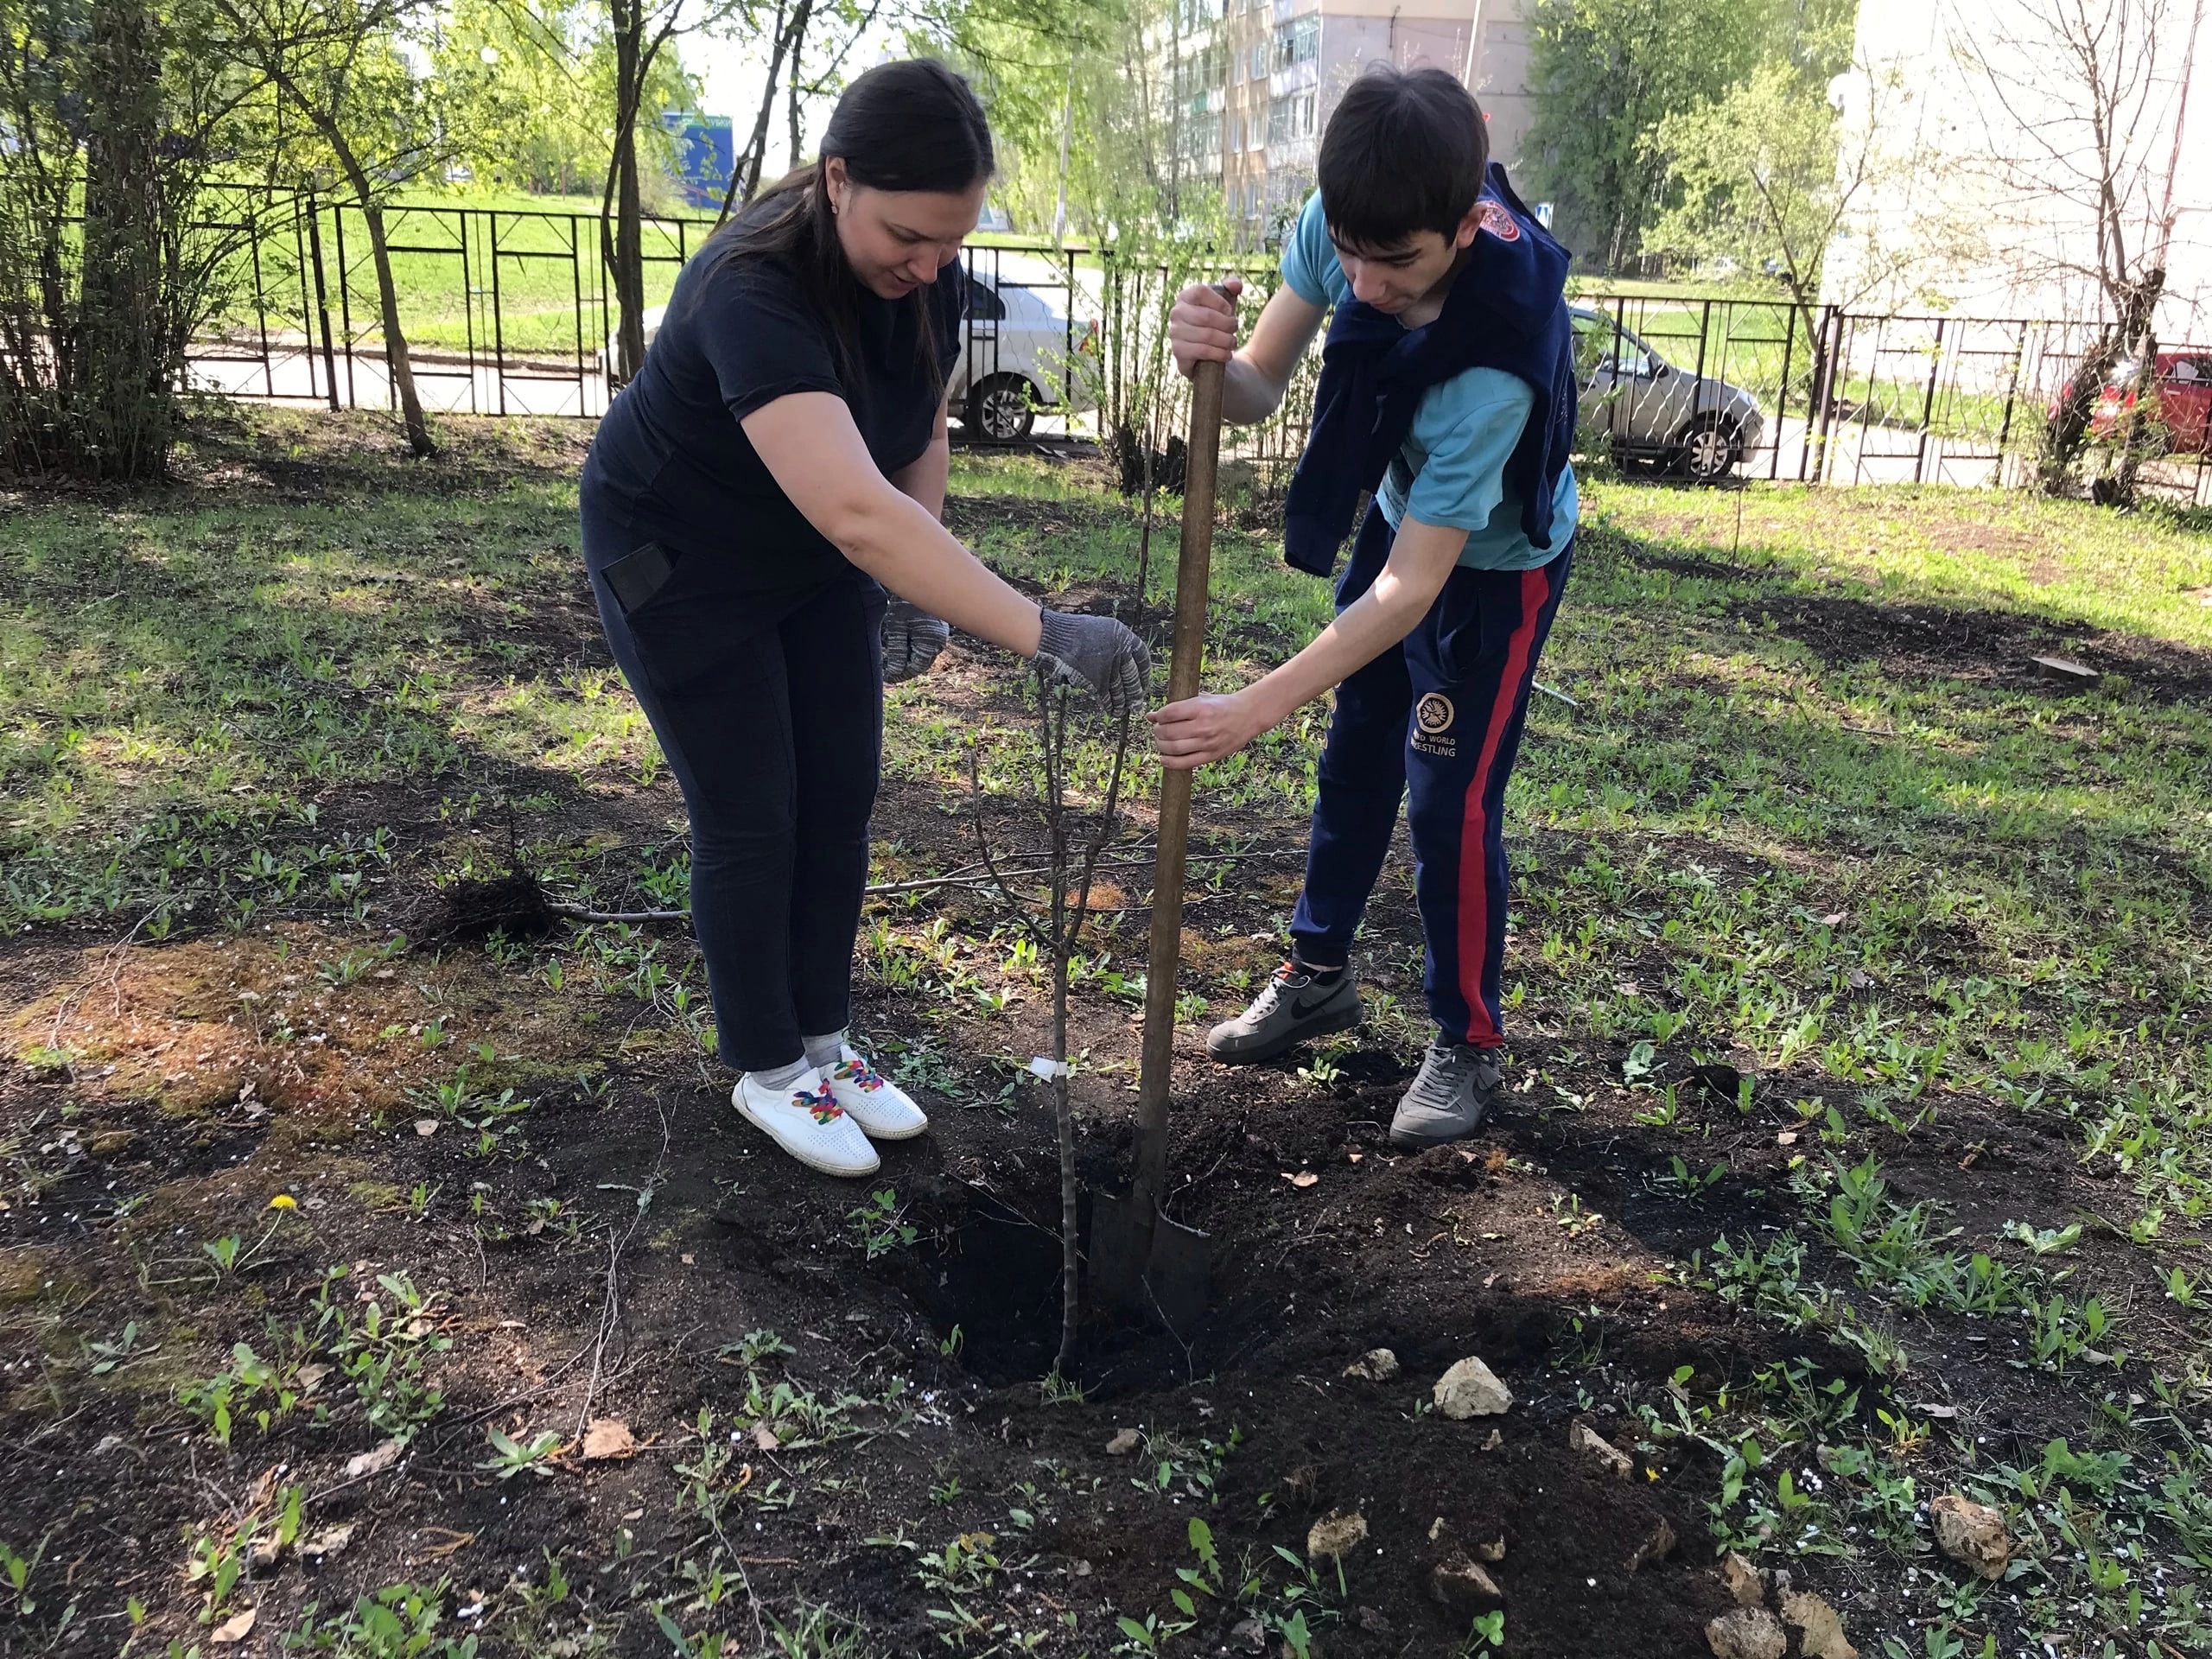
1192	566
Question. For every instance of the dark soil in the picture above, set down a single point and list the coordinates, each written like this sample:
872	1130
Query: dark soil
1457	1251
1994	648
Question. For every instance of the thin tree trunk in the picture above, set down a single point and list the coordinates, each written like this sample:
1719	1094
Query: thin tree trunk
745	174
388	295
396	356
626	266
397	360
793	86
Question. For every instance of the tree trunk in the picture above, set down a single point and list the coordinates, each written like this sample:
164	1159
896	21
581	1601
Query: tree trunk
745	167
397	363
122	393
2139	343
793	87
629	254
2068	434
1819	410
395	358
626	265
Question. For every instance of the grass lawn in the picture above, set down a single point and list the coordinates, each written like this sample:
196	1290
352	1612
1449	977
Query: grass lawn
1856	1155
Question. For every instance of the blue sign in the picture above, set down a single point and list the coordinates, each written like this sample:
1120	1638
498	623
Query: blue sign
705	151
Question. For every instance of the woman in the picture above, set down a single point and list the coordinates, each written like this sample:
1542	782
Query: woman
778	463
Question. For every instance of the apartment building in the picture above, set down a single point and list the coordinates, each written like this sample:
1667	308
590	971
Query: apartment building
1255	81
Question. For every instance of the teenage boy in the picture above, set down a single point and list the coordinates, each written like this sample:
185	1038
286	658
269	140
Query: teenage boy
1447	388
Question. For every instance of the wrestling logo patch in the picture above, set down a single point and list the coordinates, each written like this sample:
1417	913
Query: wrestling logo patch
1498	221
1432	718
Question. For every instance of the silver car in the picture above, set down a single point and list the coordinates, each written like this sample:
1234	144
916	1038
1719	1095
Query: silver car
1650	410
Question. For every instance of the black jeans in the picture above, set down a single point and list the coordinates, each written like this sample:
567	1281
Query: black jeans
771	714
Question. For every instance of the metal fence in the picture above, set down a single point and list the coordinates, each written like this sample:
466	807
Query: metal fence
1821	395
508	311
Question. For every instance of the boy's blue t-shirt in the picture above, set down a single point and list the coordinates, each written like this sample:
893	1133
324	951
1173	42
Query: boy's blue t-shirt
1465	431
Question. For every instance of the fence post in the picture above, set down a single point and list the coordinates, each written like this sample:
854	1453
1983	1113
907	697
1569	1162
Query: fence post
345	317
1928	405
2005	421
322	300
1832	330
576	286
499	314
261	308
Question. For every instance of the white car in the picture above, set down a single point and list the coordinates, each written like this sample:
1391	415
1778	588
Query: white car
1021	353
1016	359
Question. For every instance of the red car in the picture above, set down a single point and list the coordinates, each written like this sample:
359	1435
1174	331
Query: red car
2185	392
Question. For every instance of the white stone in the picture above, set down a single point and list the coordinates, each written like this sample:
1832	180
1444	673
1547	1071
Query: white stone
1471	1388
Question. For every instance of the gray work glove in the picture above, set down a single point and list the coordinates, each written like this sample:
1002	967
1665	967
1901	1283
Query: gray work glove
911	639
1097	652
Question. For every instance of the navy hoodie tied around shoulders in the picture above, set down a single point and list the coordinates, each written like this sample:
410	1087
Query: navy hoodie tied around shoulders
1506	310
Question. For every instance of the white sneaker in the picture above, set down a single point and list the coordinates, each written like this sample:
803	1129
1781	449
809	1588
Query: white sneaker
807	1121
879	1106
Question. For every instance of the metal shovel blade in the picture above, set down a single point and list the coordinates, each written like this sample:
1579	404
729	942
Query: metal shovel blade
1147	1264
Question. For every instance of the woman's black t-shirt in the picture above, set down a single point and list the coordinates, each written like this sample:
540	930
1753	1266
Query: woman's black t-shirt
670	464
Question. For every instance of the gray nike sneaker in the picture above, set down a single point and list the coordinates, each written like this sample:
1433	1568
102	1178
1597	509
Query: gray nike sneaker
1457	1084
1289	1008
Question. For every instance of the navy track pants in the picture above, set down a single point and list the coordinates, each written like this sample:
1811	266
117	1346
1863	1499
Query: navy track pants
1435	721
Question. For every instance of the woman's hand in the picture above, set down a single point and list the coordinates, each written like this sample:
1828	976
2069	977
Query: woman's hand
1098	651
1205	728
1202	326
911	639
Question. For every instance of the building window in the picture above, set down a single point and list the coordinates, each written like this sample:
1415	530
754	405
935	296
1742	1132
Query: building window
1291	118
1298	41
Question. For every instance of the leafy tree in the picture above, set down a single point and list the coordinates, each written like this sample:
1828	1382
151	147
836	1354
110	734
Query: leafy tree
344	68
1606	75
640	31
540	75
111	111
829	29
1085	143
1767	174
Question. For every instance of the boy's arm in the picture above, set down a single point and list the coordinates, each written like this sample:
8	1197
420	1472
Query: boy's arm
1202	728
1202	326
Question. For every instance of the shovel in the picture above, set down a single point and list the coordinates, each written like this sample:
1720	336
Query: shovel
1142	1261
